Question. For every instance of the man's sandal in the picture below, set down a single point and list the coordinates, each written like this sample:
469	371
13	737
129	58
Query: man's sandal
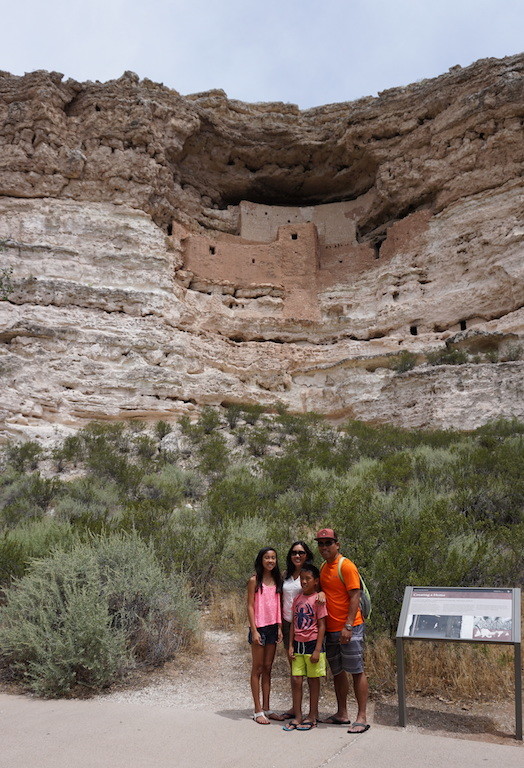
362	728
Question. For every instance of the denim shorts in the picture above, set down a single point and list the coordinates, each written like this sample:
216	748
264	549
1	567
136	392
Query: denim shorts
348	657
268	634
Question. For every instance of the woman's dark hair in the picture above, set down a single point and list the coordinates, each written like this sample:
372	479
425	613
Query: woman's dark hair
259	570
312	569
290	568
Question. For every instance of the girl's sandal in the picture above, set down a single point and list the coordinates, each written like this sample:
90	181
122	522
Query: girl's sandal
260	718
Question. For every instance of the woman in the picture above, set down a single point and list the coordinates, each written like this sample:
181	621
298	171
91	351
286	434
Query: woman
299	553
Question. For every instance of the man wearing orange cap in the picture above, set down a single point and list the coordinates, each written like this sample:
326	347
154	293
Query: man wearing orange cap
340	580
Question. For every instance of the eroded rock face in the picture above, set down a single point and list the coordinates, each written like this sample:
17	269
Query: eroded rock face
171	251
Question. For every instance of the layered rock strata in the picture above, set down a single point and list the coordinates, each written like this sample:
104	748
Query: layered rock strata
159	252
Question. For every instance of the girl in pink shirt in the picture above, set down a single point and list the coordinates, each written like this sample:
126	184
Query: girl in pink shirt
265	628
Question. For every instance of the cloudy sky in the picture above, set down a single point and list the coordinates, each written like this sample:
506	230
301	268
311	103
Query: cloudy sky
298	51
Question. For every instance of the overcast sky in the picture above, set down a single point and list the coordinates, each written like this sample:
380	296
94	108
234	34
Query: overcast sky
298	51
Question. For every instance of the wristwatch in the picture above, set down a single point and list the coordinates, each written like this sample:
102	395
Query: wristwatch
348	626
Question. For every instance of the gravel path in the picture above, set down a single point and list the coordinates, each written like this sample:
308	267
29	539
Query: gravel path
216	679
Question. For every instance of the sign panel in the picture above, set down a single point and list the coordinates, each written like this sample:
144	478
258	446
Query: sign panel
459	613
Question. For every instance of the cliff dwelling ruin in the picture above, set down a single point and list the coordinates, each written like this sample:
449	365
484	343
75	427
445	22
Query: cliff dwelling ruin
160	252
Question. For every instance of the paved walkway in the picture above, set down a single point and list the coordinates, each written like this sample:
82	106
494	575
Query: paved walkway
99	732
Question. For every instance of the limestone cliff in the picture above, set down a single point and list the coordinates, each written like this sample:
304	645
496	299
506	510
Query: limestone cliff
159	252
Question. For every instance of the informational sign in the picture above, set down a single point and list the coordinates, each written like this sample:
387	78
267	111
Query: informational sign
460	614
456	613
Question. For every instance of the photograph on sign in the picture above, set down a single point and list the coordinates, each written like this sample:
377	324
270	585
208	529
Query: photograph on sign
460	614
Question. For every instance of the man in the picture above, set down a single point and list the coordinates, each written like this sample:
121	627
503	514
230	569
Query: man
344	629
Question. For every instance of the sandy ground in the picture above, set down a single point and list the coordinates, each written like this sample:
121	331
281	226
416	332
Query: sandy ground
219	679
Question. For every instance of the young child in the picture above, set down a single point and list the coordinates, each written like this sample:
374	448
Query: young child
264	591
306	644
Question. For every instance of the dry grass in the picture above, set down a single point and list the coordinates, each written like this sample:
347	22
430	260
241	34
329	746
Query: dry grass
454	670
227	611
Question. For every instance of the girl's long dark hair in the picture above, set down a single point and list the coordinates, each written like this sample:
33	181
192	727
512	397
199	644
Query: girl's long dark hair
259	570
290	568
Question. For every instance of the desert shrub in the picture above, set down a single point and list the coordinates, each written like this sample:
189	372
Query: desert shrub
286	471
187	545
406	361
209	420
82	617
24	497
167	487
236	495
512	353
207	424
112	433
6	282
258	440
104	461
162	428
34	539
252	413
24	456
233	412
242	542
447	356
71	450
87	499
214	455
422	542
145	447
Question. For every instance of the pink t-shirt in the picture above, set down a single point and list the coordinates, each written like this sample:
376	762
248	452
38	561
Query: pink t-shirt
306	613
267	606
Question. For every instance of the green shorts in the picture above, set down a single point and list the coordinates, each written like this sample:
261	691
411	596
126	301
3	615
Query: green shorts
301	666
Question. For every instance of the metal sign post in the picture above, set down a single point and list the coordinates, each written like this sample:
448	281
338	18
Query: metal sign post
460	614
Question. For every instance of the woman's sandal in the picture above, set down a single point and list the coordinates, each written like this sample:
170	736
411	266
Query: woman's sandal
273	716
257	717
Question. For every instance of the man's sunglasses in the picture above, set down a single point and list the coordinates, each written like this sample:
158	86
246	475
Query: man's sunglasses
325	542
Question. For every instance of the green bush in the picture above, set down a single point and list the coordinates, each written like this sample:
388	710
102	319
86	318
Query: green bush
252	413
25	497
88	499
24	456
406	361
447	356
34	539
162	428
214	456
233	412
242	542
80	618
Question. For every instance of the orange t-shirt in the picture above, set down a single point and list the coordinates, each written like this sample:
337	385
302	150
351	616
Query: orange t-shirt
337	598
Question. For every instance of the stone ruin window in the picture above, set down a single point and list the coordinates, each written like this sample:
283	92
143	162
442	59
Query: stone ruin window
212	250
170	229
462	325
294	236
413	330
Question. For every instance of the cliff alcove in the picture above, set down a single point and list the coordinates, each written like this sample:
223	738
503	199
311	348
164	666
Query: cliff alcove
165	251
